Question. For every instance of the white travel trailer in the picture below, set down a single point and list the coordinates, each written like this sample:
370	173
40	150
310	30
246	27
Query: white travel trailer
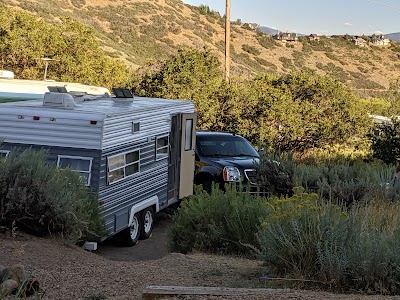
22	89
136	154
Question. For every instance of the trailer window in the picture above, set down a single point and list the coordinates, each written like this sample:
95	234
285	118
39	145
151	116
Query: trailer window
123	165
162	145
3	155
83	165
188	134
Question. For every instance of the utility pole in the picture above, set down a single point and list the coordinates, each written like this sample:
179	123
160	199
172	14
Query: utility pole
227	39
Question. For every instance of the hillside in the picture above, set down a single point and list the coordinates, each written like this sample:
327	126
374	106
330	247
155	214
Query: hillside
394	36
139	31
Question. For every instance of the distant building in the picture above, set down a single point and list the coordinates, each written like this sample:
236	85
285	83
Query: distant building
360	42
313	37
380	40
252	26
286	37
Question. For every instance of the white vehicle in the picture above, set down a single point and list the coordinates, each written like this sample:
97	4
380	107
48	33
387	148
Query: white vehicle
137	154
21	89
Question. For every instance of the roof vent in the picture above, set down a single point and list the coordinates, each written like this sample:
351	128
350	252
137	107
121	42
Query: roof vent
57	89
122	93
6	74
58	100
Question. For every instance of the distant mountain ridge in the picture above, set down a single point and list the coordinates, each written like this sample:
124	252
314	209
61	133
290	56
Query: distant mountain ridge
268	30
272	31
394	36
141	31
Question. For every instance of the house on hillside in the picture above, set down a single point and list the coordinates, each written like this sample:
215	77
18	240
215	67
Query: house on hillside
252	26
313	37
379	40
286	37
360	42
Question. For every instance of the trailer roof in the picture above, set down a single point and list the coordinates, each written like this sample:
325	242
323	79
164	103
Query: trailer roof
23	89
98	105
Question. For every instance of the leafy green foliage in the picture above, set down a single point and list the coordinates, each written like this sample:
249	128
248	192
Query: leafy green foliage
386	141
307	110
189	75
251	50
45	200
293	112
205	10
74	47
224	222
275	174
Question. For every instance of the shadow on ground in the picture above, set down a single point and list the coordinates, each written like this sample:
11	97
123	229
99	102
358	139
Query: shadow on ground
153	248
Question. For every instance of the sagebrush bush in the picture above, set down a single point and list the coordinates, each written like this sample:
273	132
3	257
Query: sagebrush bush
42	200
316	241
345	181
223	222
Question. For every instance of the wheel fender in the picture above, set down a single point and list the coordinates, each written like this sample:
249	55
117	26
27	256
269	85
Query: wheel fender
200	177
143	205
209	169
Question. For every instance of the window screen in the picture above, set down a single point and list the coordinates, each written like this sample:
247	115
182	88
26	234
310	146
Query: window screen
162	146
123	165
188	134
83	165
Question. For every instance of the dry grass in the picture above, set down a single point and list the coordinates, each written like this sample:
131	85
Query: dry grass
197	30
68	272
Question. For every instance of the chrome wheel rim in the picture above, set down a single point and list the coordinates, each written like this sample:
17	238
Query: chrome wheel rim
134	228
148	221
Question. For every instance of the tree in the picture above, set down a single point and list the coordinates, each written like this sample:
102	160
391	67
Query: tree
78	57
307	110
385	140
294	112
190	74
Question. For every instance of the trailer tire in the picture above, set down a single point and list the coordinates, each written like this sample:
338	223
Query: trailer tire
147	220
132	233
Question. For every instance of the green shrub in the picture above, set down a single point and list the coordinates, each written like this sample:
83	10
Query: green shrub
286	62
386	141
290	234
266	41
251	49
269	65
307	239
44	200
345	181
224	222
275	175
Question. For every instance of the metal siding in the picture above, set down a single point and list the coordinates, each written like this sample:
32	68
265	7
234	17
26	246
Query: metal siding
71	132
72	127
153	122
112	134
53	152
120	196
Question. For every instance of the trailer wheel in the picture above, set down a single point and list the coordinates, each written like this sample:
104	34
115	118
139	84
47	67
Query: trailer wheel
147	219
132	233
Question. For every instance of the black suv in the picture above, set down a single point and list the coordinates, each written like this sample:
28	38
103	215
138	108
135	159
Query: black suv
224	158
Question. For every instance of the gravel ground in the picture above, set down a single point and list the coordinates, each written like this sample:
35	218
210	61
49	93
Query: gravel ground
69	272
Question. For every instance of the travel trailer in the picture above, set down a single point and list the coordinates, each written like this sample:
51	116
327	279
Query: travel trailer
12	89
137	154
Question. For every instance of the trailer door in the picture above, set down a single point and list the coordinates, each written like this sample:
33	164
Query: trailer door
187	155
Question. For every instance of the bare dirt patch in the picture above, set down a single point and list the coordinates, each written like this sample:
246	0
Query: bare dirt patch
69	272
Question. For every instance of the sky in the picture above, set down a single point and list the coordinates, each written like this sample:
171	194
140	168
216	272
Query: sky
333	17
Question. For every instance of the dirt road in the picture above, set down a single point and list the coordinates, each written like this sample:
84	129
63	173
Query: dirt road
155	247
116	273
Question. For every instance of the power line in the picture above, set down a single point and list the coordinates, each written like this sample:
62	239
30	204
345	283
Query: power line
384	4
